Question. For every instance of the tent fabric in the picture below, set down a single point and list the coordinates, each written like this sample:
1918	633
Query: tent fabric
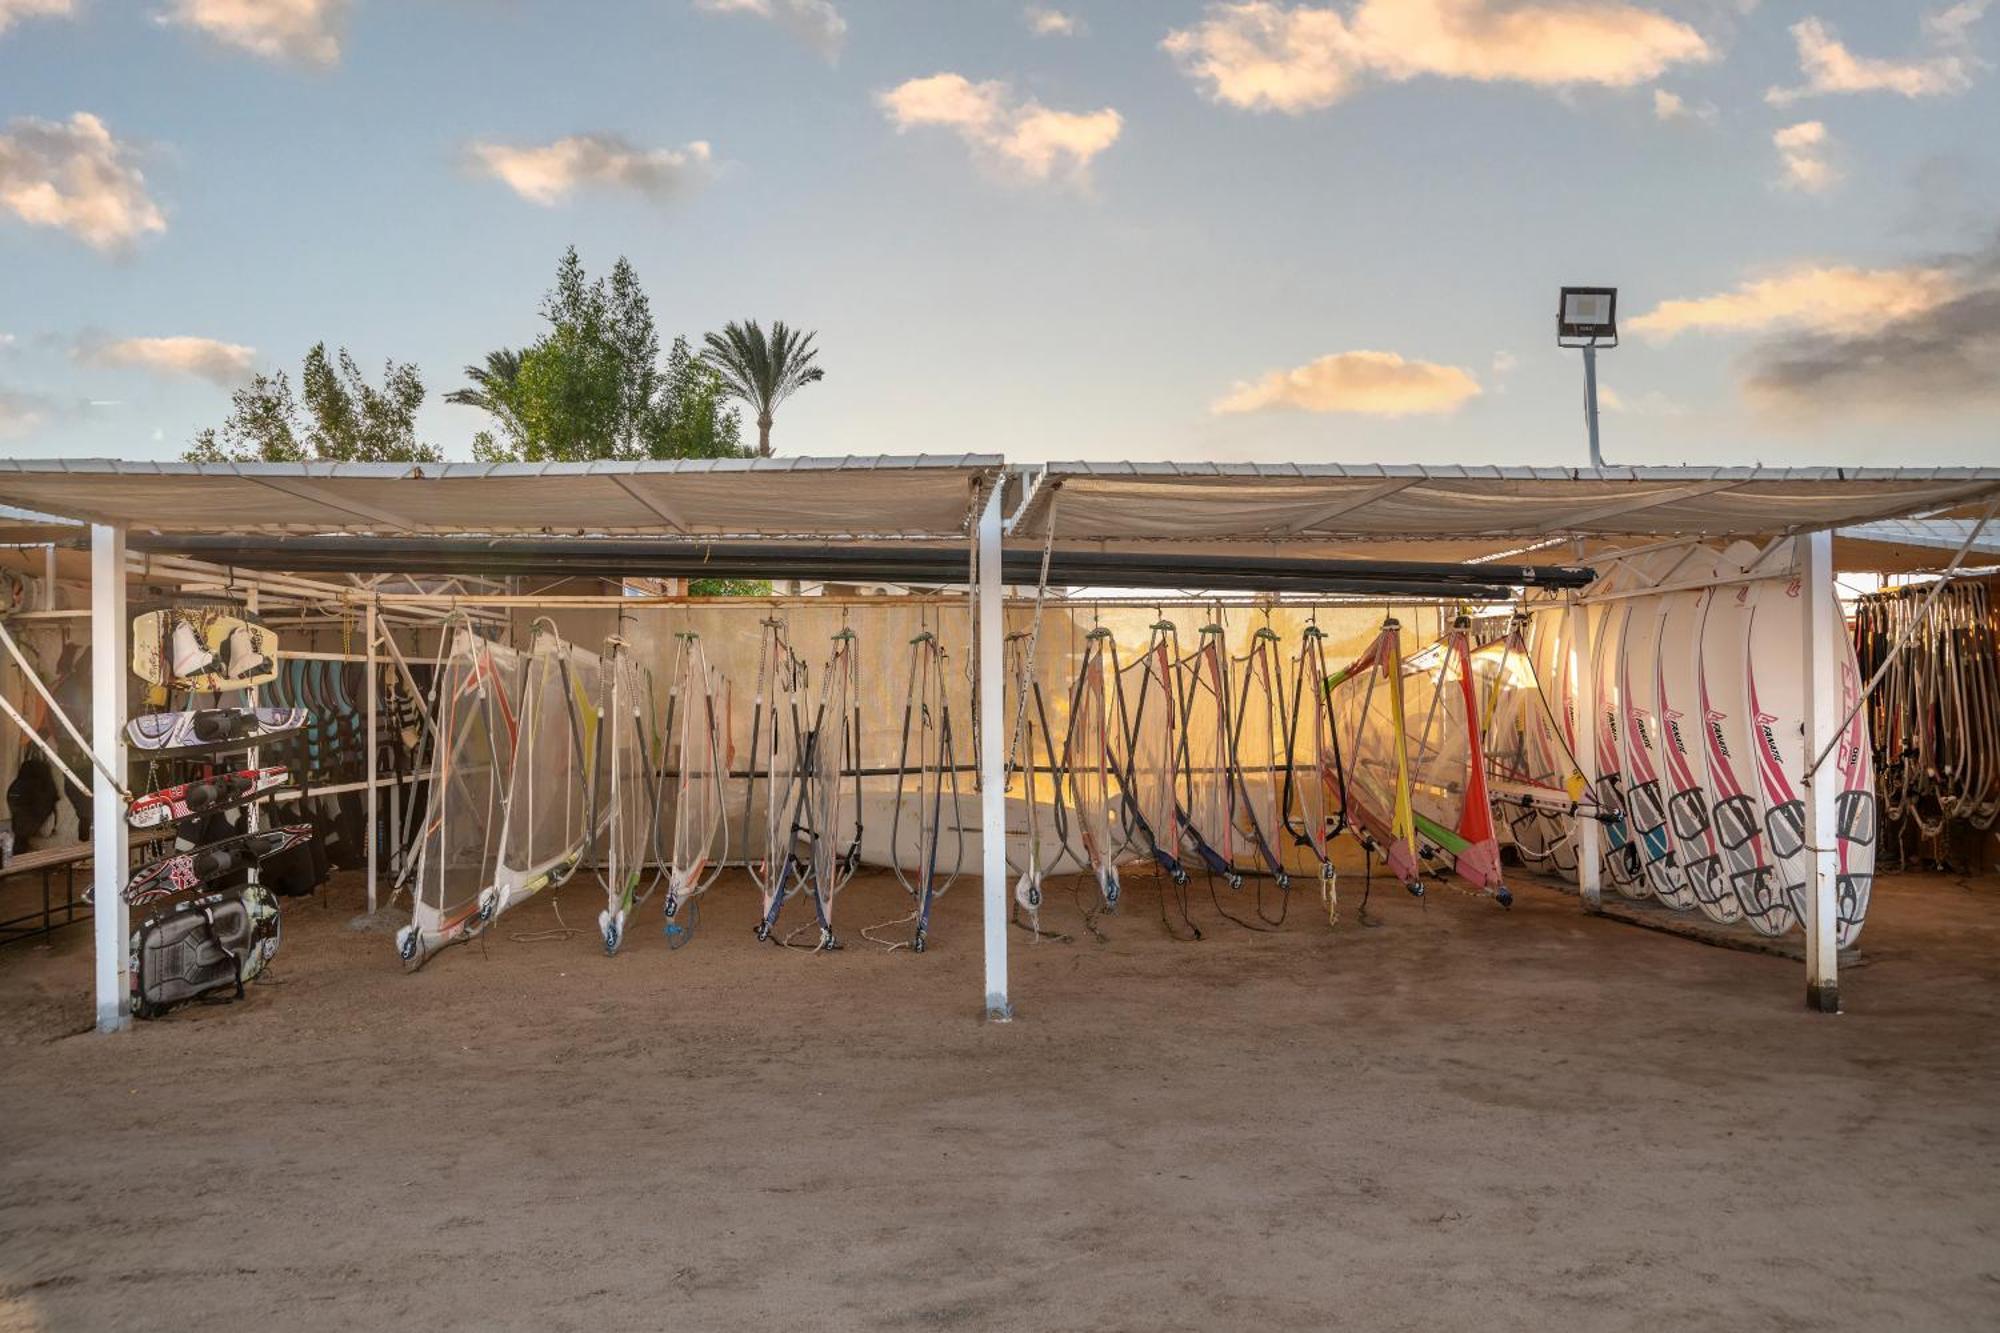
922	496
1161	502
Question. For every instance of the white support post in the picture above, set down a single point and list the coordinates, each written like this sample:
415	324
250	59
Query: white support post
1822	790
111	841
252	817
993	759
1583	695
374	799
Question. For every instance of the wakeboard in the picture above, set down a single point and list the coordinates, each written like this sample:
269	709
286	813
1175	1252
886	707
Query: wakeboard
191	870
205	648
192	730
224	791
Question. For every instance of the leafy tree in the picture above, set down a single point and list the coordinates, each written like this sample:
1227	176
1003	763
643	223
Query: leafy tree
346	419
592	386
763	372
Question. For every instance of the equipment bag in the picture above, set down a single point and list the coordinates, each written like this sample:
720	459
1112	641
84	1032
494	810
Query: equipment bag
220	941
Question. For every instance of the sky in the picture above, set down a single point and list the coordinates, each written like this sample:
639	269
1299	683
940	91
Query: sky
1167	229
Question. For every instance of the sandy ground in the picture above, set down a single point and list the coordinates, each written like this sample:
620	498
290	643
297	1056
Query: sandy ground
1463	1118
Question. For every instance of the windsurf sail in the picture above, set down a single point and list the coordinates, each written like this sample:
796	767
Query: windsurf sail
1534	780
1207	769
470	772
780	712
1366	698
1259	743
1089	760
926	834
624	793
830	797
1313	765
546	826
1451	809
698	751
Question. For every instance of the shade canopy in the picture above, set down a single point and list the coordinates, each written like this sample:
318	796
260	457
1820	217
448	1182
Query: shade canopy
862	496
1463	513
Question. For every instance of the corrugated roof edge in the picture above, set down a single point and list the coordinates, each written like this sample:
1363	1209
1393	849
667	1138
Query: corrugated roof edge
453	471
1476	471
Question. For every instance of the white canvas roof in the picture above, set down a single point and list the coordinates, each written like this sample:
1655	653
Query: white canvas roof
1466	513
862	496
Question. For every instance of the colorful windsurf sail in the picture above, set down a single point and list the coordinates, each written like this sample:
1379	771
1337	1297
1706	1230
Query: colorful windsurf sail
1373	780
1451	809
1534	780
1313	763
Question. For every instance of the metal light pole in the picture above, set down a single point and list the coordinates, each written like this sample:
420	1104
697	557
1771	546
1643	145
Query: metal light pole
1587	317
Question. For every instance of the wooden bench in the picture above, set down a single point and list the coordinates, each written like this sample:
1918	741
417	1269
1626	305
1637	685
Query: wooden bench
48	861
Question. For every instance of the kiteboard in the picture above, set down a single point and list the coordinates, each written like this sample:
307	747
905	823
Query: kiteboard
205	648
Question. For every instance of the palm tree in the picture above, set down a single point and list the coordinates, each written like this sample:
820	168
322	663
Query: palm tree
492	383
761	372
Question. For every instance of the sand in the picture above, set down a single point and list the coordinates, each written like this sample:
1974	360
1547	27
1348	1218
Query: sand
1463	1118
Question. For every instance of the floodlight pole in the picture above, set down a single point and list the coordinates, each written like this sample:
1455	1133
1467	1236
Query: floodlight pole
1590	403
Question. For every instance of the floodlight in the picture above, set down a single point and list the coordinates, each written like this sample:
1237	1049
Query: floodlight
1587	317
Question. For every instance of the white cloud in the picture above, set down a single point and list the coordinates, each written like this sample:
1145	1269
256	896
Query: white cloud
203	358
548	173
1829	67
306	32
77	178
13	11
815	22
1652	403
1672	106
1802	152
1823	300
1267	56
1021	133
21	413
1379	384
1045	22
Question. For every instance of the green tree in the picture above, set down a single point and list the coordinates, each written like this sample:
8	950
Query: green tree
592	385
346	419
761	371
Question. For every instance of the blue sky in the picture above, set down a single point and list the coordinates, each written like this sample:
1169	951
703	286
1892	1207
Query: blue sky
1324	232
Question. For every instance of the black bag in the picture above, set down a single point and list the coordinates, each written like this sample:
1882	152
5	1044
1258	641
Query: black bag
298	871
219	941
31	800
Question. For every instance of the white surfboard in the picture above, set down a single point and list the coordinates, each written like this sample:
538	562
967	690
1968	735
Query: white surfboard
1623	868
1857	815
1548	648
1736	808
1683	765
1774	652
1638	737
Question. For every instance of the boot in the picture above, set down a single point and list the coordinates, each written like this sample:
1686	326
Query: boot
240	657
190	658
